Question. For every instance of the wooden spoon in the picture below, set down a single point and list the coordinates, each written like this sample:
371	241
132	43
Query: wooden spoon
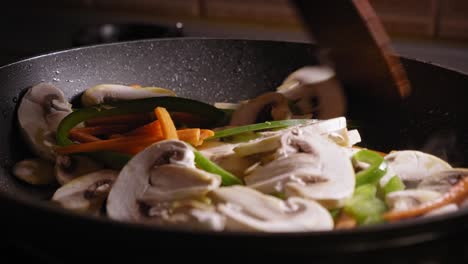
359	47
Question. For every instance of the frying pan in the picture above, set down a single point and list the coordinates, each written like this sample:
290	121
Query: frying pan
432	119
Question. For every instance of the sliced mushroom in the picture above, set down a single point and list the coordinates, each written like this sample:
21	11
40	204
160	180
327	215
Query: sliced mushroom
34	171
249	112
248	210
87	193
68	168
154	179
334	129
41	110
315	90
408	199
442	181
223	155
413	166
105	93
309	166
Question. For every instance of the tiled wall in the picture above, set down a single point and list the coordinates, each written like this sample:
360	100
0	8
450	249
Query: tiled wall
446	19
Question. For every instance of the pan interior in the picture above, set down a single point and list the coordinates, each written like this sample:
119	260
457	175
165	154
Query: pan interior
214	70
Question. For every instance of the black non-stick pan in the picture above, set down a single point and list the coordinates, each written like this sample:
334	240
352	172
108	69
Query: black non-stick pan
432	119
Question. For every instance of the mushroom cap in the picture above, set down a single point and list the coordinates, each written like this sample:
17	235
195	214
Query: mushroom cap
86	193
154	178
309	166
247	112
246	209
105	93
413	166
408	199
34	171
40	112
442	181
272	140
316	90
68	168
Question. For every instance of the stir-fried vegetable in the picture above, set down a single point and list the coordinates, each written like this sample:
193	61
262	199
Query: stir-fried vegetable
457	194
168	128
393	185
299	174
140	107
377	167
364	206
256	127
208	112
209	166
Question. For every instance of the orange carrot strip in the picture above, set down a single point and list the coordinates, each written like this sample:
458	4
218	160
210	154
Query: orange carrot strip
82	137
135	86
151	129
130	119
103	130
109	144
456	194
206	133
345	221
131	150
189	135
167	125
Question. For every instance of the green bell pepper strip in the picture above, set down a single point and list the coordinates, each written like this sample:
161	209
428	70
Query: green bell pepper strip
205	164
393	185
259	126
364	206
171	103
117	160
377	167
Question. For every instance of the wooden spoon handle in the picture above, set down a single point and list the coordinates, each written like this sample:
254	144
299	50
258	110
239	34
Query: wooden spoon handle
359	46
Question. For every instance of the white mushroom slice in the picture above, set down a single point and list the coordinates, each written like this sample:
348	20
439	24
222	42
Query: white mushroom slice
413	166
192	214
353	137
153	179
270	141
223	155
308	166
408	199
248	112
260	145
215	149
40	112
234	163
105	93
316	90
34	171
86	193
248	210
298	167
68	168
442	181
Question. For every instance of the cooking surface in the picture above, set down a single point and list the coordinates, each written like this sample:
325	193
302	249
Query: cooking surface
265	56
46	34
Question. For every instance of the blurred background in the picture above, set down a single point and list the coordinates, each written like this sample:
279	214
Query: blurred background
430	30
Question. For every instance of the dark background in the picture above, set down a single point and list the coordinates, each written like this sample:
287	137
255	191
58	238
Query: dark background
430	30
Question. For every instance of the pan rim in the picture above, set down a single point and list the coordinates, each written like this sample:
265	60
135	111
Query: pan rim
404	226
